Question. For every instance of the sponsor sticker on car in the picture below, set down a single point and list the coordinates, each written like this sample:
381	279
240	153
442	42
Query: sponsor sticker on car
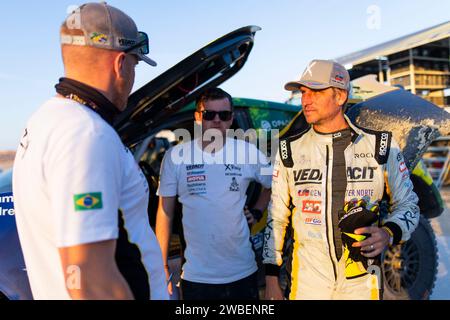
6	204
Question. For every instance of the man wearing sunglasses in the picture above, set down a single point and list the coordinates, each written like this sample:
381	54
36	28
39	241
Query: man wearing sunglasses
81	200
220	263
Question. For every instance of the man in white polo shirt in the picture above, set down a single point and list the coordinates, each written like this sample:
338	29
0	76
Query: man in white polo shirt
80	198
211	186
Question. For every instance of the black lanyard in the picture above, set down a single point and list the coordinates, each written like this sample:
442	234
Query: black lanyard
88	96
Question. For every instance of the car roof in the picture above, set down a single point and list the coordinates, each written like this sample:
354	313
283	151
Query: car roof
254	103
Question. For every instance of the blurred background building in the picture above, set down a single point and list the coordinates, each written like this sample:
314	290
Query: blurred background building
419	62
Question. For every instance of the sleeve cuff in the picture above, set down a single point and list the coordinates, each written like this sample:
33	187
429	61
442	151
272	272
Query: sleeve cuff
272	270
395	230
166	193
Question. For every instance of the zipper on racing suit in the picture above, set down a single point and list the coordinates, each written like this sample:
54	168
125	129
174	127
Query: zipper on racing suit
326	214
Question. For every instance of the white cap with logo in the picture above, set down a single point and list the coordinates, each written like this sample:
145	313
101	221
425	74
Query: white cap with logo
102	26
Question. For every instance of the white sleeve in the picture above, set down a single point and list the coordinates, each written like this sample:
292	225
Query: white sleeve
83	172
168	181
405	213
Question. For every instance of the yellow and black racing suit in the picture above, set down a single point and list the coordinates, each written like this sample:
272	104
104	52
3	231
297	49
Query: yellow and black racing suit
315	174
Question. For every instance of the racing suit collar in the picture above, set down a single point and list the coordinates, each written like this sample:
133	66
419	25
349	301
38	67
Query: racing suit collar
328	137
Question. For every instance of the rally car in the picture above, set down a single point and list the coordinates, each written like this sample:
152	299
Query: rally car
167	103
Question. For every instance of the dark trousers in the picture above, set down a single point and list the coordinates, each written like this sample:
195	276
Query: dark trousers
244	289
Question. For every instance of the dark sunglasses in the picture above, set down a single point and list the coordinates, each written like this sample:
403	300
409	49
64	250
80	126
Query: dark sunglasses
211	115
142	44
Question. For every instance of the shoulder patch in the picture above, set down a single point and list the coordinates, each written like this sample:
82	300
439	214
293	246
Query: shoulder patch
286	153
382	144
88	201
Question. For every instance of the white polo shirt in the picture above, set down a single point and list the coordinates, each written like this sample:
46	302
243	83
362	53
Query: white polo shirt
72	175
213	194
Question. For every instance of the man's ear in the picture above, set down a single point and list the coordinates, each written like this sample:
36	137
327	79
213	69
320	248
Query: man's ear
198	116
119	64
342	97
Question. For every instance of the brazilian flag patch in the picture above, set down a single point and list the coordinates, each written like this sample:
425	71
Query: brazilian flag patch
88	201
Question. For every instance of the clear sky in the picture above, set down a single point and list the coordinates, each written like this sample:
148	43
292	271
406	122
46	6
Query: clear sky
293	33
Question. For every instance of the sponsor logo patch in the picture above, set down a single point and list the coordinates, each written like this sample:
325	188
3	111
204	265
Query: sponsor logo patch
232	167
196	178
99	38
283	149
6	204
336	81
265	125
304	176
408	217
337	135
363	155
383	144
402	167
360	193
195	172
313	221
275	173
312	207
195	167
196	184
232	170
126	42
234	185
359	174
307	193
88	201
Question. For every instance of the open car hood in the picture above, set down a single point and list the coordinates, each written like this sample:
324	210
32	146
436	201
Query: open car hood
212	65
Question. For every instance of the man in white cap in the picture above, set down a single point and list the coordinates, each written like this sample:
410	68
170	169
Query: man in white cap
334	174
80	199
